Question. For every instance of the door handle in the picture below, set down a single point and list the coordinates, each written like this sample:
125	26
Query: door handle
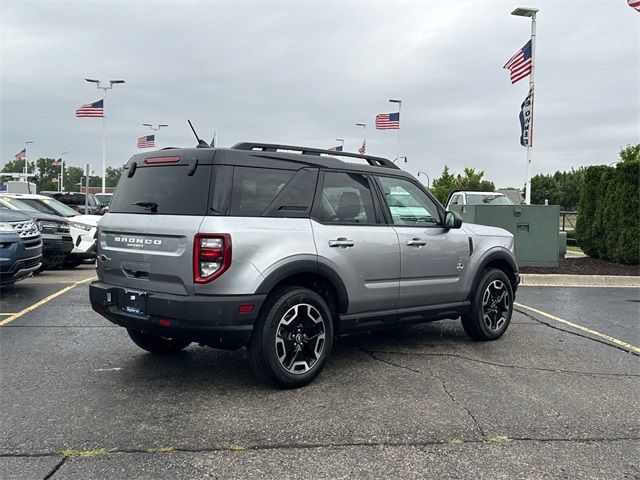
416	242
341	243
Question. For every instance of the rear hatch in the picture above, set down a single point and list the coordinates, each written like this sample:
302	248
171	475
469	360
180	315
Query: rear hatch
146	240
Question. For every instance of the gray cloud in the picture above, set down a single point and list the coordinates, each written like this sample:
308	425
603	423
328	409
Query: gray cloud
304	73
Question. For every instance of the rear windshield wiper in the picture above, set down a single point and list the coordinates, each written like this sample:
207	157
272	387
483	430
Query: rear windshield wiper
152	206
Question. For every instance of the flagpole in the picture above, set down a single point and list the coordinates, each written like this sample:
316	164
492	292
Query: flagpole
62	171
533	94
26	158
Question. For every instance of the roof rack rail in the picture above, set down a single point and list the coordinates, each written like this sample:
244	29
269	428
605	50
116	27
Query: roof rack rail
274	147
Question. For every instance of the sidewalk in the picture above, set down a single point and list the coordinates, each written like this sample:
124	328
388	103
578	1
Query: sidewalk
558	280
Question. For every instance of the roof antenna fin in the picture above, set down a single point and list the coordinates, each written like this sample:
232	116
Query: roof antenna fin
201	143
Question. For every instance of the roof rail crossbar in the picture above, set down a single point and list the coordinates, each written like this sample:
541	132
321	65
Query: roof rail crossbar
273	147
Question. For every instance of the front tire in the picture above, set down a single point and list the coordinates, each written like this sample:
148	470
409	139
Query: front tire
292	338
491	307
155	344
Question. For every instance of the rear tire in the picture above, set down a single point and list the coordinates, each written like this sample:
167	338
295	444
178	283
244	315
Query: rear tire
292	339
155	344
491	307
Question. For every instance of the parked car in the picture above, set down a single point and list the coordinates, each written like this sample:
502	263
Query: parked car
54	230
20	247
471	197
281	248
82	227
76	200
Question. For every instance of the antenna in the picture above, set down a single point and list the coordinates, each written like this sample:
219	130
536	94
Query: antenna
201	143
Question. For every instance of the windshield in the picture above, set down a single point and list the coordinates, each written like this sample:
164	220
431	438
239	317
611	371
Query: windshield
103	198
20	205
480	199
49	205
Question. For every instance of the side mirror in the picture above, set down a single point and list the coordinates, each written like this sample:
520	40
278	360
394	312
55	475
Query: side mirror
452	220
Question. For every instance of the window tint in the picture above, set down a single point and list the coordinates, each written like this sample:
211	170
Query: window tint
167	186
407	203
346	198
481	199
255	188
70	199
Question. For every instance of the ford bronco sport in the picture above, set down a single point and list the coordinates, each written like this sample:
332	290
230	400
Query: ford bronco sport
282	248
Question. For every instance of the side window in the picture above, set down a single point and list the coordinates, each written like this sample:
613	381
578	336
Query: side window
455	200
255	188
346	198
408	204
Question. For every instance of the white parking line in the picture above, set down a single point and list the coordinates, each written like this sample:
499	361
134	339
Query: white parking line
30	308
620	343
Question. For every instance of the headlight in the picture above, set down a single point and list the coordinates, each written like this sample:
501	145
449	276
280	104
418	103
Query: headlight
5	227
81	226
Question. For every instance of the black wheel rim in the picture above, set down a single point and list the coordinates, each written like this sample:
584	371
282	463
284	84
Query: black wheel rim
300	338
496	305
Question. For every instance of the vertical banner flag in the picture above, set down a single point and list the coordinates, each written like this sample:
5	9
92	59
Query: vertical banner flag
147	141
21	154
95	109
336	149
388	121
520	64
526	120
362	149
635	4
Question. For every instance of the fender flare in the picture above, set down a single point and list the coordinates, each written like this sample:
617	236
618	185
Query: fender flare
487	259
307	266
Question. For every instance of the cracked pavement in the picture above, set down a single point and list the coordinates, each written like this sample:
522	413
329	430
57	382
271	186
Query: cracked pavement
414	402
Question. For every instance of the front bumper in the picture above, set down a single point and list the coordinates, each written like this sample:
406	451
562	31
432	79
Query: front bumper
55	248
213	320
12	272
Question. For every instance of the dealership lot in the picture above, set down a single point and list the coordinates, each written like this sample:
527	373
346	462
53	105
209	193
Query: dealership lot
544	401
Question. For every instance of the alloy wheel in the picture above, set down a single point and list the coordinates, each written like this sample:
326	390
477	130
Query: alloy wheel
495	305
300	338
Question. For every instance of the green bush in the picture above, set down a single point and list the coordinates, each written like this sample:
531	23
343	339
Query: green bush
608	224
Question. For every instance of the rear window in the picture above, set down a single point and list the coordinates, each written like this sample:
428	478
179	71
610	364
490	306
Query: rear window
70	199
167	186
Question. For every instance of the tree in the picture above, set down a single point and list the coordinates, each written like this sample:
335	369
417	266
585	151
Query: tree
17	166
113	175
72	177
630	153
443	185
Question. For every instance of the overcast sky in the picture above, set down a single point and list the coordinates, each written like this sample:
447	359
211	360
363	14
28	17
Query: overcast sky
305	72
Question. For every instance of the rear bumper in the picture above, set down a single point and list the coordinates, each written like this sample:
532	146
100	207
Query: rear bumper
208	319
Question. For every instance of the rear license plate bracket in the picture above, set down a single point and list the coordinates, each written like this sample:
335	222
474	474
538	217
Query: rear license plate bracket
134	302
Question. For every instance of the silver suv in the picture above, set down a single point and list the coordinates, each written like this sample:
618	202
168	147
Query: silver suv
281	249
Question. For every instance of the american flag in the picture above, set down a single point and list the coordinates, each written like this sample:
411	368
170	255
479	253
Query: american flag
362	149
388	121
57	163
634	4
336	149
147	141
95	109
520	64
21	154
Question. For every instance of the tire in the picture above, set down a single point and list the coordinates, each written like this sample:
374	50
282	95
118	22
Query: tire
71	263
491	307
292	339
155	344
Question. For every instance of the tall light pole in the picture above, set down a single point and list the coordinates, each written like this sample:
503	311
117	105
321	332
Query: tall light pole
399	102
364	135
341	140
155	129
26	161
104	124
62	170
530	12
426	175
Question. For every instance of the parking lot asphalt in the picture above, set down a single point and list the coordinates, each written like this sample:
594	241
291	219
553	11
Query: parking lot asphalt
80	400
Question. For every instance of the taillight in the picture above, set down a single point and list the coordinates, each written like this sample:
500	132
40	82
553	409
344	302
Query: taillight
211	256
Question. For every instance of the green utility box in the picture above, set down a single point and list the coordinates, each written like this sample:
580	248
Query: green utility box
535	228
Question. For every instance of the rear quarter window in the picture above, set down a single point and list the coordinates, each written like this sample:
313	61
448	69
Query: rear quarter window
254	189
169	186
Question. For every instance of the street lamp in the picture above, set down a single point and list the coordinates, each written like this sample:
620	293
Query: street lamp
341	140
362	149
104	123
426	175
155	129
529	12
398	158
